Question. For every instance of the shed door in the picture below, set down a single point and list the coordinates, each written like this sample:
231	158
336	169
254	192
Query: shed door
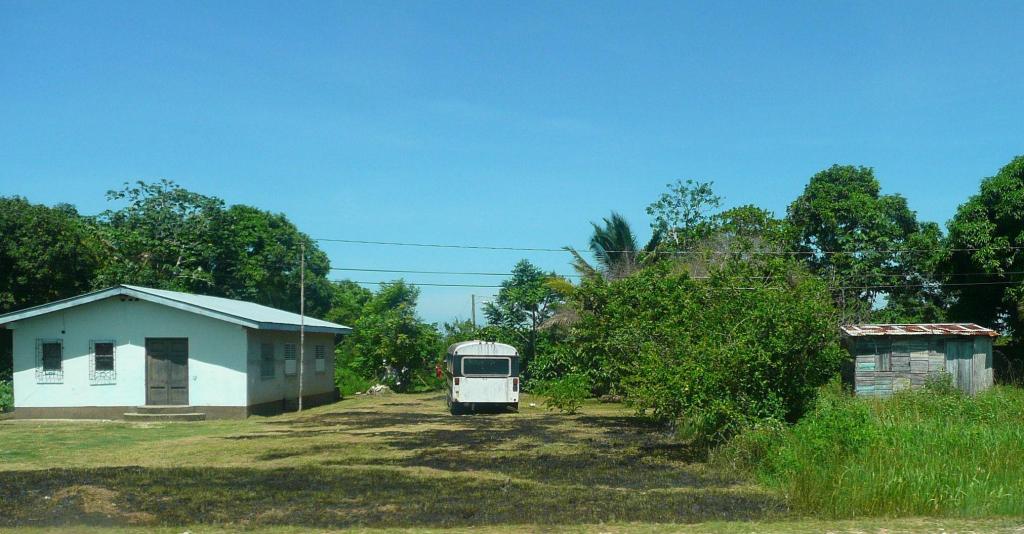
960	363
167	371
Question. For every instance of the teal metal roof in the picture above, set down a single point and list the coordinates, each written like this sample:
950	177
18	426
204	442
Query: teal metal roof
247	314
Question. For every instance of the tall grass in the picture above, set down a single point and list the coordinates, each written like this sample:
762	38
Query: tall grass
928	452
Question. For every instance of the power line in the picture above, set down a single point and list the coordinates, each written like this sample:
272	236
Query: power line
833	288
934	284
476	273
419	284
439	245
460	273
674	252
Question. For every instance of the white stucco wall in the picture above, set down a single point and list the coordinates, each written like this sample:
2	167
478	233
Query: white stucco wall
286	387
216	351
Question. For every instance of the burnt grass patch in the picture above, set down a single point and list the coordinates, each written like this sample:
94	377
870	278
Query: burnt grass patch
402	465
623	455
340	497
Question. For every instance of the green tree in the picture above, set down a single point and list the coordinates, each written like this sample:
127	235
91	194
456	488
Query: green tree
46	253
985	240
858	239
347	301
257	257
168	237
742	233
684	214
615	249
390	344
163	237
458	331
749	227
523	304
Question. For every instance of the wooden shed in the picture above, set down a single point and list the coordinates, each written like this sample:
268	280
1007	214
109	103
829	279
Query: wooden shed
891	357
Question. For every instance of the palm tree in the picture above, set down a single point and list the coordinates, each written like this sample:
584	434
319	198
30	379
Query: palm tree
615	249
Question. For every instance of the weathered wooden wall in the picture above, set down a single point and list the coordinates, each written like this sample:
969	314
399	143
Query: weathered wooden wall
883	365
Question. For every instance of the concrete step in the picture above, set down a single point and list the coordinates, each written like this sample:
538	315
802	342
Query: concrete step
164	409
164	417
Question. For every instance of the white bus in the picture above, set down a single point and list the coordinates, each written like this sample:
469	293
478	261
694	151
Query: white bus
481	374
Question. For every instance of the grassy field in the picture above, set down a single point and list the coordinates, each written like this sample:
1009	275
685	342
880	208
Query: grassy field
917	453
395	462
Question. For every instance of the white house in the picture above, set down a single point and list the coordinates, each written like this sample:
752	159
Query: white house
138	353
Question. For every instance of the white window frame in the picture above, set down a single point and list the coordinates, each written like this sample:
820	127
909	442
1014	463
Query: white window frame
320	352
52	376
290	359
98	377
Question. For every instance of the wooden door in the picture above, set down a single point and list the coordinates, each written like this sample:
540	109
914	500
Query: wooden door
167	371
960	363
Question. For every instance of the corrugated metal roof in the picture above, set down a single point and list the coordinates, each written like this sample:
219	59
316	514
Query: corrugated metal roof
239	312
923	329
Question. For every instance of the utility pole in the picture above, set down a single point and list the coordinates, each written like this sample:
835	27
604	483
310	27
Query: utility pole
472	300
302	317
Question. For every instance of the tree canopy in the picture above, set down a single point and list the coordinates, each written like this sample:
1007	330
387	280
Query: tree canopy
614	247
865	243
522	305
389	342
986	240
46	253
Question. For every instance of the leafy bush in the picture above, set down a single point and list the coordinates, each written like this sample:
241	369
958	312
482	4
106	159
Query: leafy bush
941	383
923	452
424	380
750	343
349	382
6	395
566	394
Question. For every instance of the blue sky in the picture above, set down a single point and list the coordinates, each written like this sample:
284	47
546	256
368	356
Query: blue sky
501	123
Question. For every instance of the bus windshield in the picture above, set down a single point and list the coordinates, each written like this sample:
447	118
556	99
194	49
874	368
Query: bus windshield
486	366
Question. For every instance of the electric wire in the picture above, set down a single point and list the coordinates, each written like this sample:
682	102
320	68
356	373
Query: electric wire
476	273
748	253
674	252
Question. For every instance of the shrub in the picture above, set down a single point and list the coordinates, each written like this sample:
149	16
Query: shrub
565	394
941	383
6	395
750	343
349	382
424	380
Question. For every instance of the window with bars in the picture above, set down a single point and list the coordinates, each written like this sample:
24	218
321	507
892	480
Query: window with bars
289	359
101	362
49	361
320	353
267	360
